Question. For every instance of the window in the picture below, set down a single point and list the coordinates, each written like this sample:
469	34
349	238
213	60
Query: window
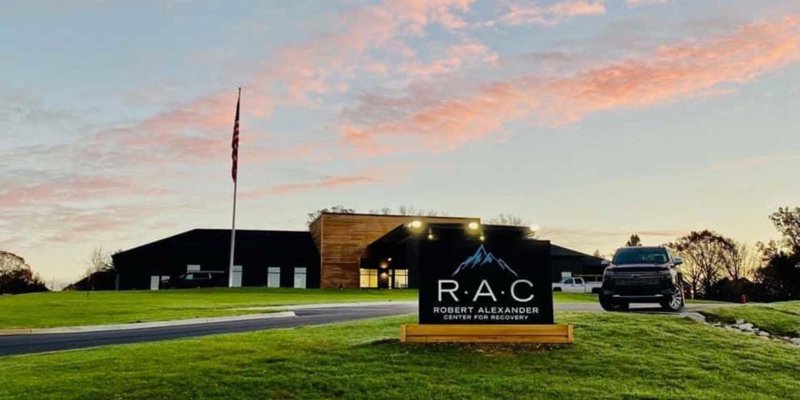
274	277
369	278
400	278
640	255
300	278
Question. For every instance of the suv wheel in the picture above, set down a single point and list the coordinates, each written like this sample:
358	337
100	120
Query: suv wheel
676	302
611	305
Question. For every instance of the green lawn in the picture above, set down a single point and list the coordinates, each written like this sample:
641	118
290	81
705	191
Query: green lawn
616	356
43	310
779	318
46	310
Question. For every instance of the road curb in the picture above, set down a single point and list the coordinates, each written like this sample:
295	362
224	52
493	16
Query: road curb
143	325
330	305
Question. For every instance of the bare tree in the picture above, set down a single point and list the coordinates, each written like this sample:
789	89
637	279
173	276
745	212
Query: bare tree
99	260
312	216
508	219
740	261
707	253
407	210
787	222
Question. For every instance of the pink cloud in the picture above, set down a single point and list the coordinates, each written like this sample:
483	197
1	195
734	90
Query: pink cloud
318	66
74	189
555	13
196	132
635	3
457	56
577	8
328	182
444	121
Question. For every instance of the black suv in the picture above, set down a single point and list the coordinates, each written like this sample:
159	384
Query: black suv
643	275
197	279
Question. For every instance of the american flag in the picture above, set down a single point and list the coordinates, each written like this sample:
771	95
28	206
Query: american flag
235	140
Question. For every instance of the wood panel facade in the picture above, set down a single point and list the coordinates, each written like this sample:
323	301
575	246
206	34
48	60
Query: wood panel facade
342	240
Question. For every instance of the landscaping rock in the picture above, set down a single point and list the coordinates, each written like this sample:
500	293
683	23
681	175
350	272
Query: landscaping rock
763	334
795	341
739	321
746	327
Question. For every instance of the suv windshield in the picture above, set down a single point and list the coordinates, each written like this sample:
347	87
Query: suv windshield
641	255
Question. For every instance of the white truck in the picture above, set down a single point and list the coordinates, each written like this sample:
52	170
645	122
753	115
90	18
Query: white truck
577	285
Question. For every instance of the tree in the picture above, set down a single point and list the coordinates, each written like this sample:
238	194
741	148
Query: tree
740	261
16	276
508	219
780	277
415	211
312	216
634	241
408	211
706	253
787	222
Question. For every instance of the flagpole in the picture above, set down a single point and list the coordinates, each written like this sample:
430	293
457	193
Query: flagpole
233	237
235	187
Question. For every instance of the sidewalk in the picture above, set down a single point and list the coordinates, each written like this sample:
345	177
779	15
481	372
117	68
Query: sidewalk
144	325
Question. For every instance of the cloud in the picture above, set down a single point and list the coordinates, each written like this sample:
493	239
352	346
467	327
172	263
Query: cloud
327	182
444	120
65	189
535	15
322	64
636	3
456	57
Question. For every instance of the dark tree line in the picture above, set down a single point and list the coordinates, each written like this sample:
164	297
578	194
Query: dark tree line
717	267
16	276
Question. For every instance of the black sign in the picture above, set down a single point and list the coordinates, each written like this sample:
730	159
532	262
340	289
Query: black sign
485	282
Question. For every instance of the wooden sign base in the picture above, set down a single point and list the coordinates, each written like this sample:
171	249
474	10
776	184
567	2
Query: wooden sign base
552	334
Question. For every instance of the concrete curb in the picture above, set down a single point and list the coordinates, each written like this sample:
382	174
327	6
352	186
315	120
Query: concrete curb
143	325
330	305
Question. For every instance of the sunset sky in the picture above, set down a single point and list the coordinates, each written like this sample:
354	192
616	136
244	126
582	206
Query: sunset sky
592	119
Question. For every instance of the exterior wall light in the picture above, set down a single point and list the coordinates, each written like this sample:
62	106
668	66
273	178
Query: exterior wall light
473	225
384	265
416	224
430	234
483	238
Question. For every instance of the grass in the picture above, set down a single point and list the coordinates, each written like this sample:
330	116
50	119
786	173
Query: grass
616	356
56	309
44	310
777	318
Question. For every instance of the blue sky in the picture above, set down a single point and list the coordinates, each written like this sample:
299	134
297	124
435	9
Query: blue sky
592	119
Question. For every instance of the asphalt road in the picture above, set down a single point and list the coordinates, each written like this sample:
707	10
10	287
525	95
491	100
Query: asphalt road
26	344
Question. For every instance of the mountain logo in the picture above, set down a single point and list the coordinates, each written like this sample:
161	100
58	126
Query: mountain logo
483	258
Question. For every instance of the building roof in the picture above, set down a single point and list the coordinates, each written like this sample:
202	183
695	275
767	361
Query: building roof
244	238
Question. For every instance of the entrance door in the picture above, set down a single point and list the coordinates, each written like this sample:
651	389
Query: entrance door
155	282
236	276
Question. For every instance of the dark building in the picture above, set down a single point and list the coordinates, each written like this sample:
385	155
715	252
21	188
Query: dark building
266	258
338	251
